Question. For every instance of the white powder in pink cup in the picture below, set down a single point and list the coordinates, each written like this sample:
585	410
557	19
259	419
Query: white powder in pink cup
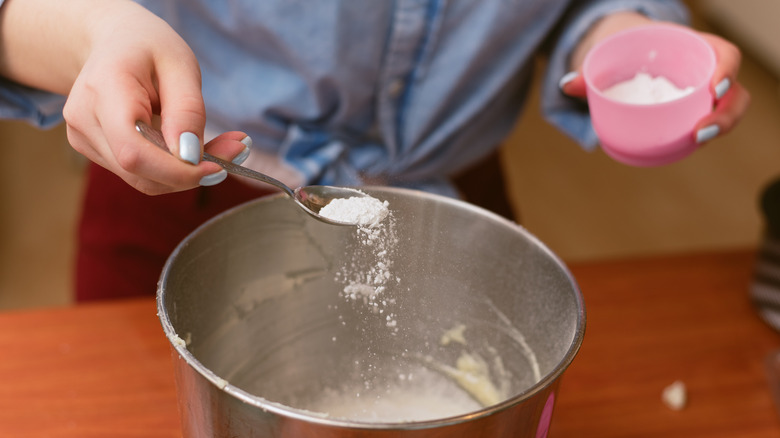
644	89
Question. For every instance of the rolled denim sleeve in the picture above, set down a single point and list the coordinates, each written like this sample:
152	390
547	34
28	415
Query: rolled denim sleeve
39	108
570	115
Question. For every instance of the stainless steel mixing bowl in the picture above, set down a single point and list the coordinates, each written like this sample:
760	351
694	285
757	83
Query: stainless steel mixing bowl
265	340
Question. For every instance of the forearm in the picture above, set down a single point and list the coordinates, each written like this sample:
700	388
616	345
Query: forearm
44	43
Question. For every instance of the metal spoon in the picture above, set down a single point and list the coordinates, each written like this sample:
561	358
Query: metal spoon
310	198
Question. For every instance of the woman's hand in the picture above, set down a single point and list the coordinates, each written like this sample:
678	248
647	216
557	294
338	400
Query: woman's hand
119	63
731	98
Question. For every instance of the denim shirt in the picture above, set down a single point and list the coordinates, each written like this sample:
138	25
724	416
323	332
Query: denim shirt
353	92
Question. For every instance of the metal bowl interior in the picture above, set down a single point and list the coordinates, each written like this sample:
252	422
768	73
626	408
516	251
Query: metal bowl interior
258	319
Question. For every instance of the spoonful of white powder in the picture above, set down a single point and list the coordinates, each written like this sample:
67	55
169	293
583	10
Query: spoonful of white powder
365	211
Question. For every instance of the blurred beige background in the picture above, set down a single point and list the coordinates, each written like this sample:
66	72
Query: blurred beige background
583	205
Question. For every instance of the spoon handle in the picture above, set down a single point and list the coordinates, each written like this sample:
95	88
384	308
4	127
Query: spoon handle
156	138
235	169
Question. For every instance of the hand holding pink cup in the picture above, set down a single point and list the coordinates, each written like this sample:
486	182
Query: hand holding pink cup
650	133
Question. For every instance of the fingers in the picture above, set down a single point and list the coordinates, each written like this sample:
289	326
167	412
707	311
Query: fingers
131	74
182	109
728	58
573	84
727	113
135	156
731	98
86	144
126	151
105	133
128	79
232	146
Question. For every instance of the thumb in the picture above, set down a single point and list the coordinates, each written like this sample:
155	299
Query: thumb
182	111
573	84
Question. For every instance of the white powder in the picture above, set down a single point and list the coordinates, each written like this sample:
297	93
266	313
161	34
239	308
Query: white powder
366	211
644	89
675	396
368	270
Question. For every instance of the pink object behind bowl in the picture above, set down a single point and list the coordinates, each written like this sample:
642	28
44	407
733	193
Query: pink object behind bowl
654	134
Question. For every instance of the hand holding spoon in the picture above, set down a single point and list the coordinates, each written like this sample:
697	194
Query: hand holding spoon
310	198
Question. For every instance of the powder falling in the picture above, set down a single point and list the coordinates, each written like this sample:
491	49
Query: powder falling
368	270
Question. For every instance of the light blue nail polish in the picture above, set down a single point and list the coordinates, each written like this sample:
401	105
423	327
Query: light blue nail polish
189	147
707	133
241	157
214	178
722	87
568	77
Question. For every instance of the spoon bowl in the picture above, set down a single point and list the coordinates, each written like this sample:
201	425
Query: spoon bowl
310	198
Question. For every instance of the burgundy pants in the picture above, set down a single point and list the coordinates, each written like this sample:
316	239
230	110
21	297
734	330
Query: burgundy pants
125	236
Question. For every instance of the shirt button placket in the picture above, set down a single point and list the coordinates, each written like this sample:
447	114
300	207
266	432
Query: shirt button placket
409	28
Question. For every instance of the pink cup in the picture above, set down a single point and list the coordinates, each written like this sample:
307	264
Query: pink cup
649	134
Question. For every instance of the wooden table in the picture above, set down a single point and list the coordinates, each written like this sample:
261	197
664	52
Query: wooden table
104	370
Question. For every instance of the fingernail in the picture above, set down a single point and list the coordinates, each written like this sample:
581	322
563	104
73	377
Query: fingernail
722	87
189	147
214	178
241	157
707	133
568	77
